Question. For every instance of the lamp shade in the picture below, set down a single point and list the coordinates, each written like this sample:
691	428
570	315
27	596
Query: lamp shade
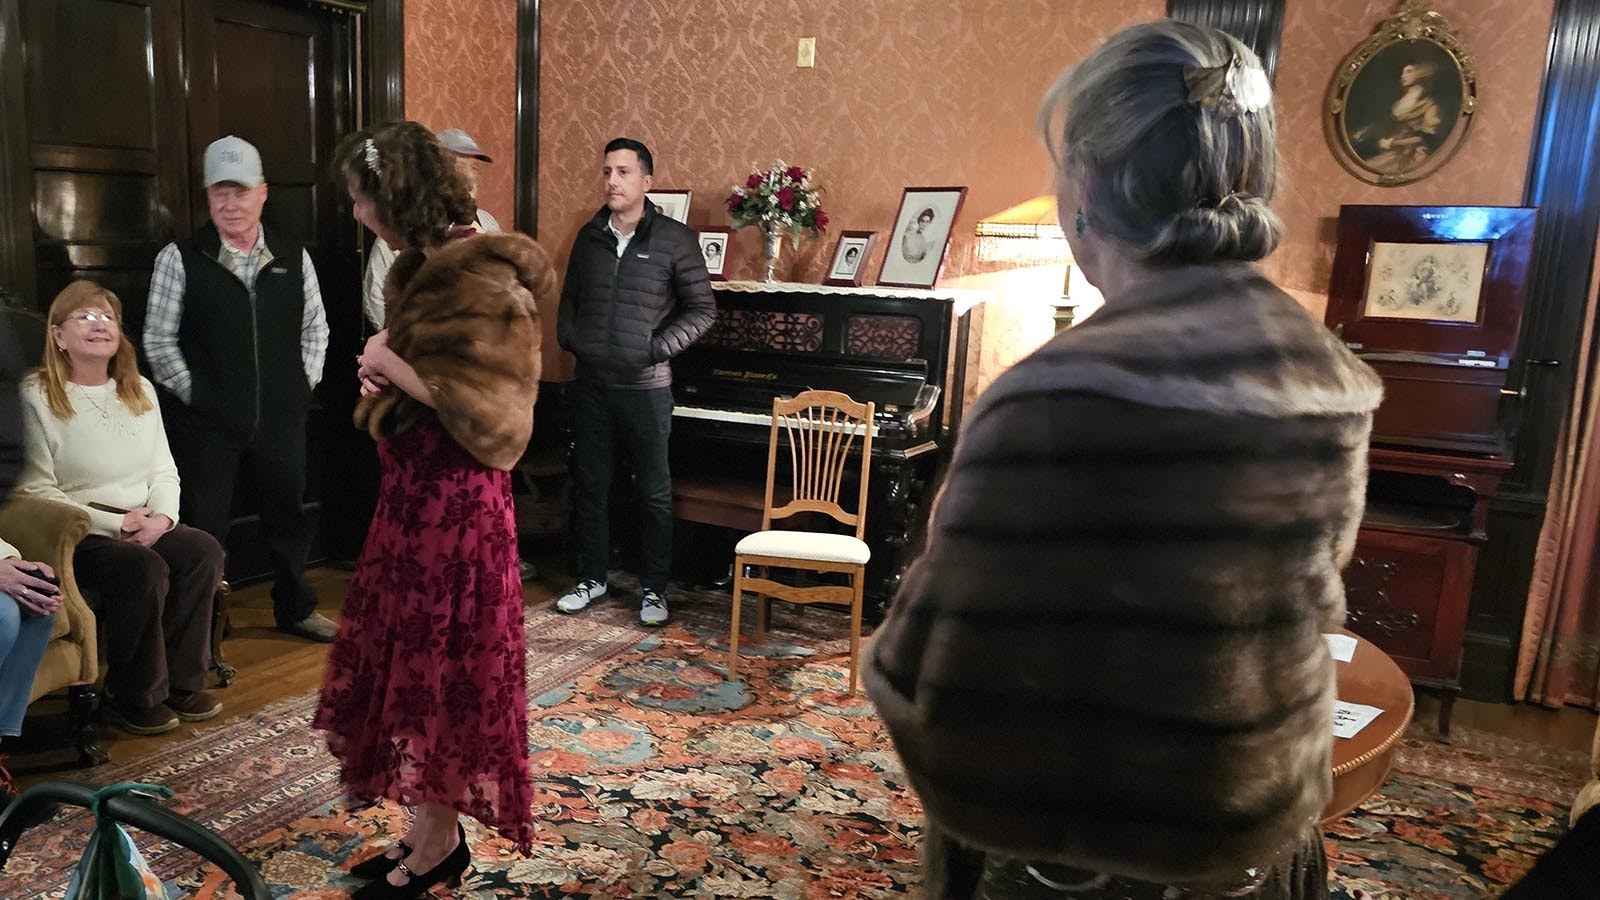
1025	234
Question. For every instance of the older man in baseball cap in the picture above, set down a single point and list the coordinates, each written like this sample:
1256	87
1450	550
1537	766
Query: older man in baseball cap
236	335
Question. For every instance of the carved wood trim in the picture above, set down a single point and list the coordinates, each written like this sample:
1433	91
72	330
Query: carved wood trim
1259	23
1367	606
527	127
383	32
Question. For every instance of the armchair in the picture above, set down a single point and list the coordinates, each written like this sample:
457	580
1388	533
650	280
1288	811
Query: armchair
48	531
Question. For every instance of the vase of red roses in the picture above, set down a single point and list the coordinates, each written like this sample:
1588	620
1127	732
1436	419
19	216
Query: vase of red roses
782	200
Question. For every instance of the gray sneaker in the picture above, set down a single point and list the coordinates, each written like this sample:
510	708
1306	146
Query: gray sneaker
580	595
653	608
315	627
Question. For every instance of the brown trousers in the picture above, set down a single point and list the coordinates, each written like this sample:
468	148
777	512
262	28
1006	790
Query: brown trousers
154	608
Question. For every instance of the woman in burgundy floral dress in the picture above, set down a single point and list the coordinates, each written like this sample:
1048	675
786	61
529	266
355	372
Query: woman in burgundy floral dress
424	699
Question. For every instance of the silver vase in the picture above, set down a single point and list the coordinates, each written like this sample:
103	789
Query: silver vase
773	246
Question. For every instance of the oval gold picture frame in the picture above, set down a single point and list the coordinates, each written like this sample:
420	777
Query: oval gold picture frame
1402	101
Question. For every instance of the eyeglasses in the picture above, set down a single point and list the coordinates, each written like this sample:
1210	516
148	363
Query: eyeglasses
90	318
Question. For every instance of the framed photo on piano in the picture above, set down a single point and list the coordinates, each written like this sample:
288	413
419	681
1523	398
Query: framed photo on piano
849	265
673	204
921	235
714	247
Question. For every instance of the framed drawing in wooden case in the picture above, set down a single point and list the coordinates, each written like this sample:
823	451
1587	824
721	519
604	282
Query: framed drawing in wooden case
1431	297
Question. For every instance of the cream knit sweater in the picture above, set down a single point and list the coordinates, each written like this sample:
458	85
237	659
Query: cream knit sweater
103	454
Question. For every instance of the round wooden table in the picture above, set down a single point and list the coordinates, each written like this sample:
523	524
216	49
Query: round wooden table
1362	763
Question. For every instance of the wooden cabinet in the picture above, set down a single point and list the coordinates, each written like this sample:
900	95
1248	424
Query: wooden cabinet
1409	583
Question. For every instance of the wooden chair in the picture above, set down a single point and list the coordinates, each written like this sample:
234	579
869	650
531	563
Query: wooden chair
822	429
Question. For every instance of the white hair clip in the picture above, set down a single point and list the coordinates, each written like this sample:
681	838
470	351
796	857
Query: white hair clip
371	151
1233	89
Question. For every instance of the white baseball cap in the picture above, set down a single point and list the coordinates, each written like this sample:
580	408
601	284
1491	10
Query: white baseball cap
233	159
461	144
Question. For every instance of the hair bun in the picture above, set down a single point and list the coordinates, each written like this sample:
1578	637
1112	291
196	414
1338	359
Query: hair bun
1239	226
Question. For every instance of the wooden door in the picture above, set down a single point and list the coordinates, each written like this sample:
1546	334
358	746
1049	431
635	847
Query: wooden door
106	139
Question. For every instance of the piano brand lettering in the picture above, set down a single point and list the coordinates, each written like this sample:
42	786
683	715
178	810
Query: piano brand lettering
745	375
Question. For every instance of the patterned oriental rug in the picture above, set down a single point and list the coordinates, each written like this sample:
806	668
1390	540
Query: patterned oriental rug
657	778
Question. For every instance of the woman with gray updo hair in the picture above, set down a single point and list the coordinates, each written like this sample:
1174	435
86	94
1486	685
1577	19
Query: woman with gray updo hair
1106	670
1166	142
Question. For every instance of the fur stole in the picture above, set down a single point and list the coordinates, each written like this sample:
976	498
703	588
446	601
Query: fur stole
1220	339
467	319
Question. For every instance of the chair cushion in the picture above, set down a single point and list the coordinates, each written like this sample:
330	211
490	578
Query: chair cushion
806	545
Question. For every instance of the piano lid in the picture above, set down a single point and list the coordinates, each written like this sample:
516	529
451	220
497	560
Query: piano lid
963	299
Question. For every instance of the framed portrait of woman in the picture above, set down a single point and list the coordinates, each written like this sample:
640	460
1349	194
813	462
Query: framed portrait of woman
849	264
714	247
1401	102
920	236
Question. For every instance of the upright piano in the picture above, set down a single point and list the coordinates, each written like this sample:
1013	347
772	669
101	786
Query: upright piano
892	346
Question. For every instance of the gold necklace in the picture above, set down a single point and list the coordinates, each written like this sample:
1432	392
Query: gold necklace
105	414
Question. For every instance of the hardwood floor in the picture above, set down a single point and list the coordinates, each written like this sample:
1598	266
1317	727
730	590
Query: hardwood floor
274	666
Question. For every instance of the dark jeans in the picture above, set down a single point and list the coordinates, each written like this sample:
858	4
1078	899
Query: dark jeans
154	609
275	466
607	420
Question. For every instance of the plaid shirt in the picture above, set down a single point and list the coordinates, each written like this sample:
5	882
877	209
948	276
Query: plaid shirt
164	312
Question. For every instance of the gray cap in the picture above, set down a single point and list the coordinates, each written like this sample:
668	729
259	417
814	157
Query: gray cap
233	159
461	144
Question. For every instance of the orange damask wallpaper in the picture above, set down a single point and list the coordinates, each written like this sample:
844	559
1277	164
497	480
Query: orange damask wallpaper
1508	39
461	72
904	93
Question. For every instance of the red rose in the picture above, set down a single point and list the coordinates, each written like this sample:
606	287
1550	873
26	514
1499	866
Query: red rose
786	198
795	173
733	202
822	219
754	181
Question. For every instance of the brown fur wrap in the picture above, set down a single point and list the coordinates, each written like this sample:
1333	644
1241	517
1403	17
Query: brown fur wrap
1109	654
467	320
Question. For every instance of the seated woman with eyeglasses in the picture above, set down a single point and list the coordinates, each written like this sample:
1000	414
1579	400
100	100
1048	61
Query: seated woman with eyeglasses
93	438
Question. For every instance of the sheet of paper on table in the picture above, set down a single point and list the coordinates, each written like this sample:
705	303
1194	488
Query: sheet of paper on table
1350	718
1342	646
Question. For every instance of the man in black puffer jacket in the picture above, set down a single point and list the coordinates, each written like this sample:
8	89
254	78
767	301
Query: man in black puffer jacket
636	294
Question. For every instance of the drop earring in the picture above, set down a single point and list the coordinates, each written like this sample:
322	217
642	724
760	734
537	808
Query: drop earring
1079	223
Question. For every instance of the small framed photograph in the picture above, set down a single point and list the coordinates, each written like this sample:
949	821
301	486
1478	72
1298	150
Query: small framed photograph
673	204
849	264
714	247
921	236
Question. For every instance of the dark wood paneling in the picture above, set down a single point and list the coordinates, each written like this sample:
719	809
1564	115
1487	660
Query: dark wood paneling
527	183
16	179
1259	23
107	142
1499	597
1562	172
1563	169
383	33
108	104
